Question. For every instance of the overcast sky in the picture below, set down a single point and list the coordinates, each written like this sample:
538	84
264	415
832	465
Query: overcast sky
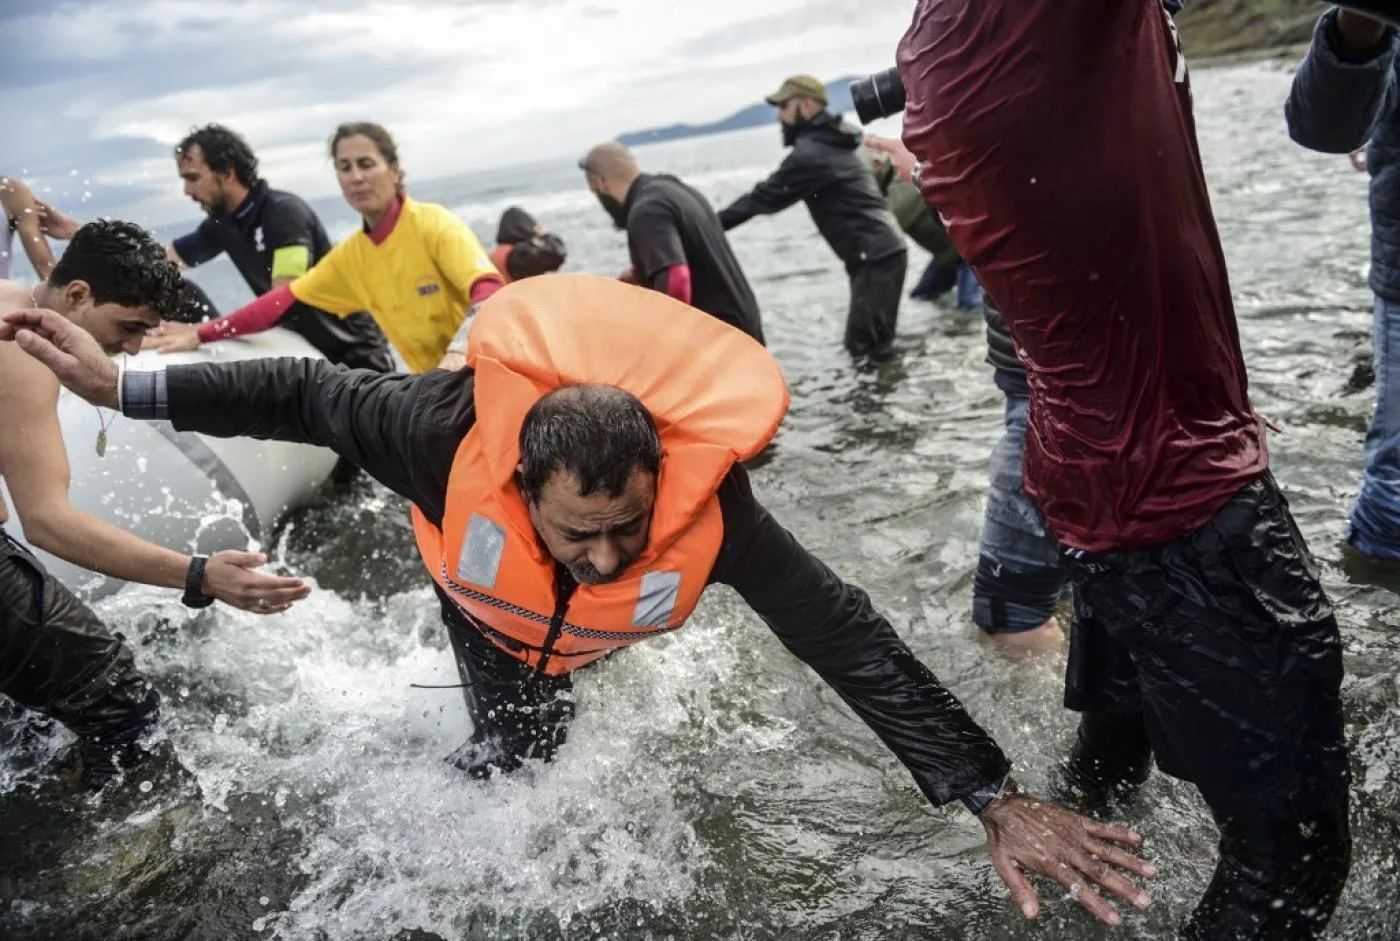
96	92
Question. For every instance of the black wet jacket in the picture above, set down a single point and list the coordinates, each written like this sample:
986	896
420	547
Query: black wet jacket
405	430
1001	353
825	172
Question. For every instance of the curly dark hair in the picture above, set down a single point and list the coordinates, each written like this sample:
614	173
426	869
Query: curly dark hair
223	150
122	264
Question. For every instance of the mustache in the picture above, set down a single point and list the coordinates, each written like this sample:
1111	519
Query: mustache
585	574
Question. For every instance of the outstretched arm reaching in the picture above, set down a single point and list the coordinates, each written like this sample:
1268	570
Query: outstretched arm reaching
36	470
368	418
833	628
22	211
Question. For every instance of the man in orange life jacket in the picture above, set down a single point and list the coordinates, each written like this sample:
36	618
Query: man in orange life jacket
587	508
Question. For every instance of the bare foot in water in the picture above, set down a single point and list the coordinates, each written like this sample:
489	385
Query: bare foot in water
1025	645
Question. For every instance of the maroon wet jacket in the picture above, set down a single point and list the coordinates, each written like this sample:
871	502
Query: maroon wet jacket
1060	149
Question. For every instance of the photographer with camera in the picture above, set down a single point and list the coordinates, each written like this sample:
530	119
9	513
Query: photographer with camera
1059	146
826	172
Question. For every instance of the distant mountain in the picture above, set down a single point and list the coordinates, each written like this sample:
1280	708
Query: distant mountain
838	95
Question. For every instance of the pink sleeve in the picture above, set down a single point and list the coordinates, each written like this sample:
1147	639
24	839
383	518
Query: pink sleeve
254	317
678	282
483	287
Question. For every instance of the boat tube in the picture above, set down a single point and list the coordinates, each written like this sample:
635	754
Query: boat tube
178	489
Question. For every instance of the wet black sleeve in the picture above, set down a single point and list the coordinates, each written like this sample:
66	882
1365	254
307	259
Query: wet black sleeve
834	629
797	176
1338	95
198	246
655	240
402	430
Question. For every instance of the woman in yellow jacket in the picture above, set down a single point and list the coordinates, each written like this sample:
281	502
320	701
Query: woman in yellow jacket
415	267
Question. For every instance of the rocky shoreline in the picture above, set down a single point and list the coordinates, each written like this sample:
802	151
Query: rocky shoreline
1217	32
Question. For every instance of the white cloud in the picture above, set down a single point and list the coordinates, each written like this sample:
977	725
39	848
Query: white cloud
462	86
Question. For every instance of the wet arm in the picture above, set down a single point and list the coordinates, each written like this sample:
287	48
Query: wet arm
461	258
658	252
35	460
463	261
402	430
834	629
259	314
20	205
290	238
1342	87
194	248
674	281
795	177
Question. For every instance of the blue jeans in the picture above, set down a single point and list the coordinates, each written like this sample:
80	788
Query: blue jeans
1019	576
969	290
1375	518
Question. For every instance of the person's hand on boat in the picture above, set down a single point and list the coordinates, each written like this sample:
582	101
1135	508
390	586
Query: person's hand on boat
55	223
229	577
69	352
1029	834
172	337
899	156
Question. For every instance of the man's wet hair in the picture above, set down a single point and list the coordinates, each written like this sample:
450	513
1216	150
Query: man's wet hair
122	264
598	434
223	150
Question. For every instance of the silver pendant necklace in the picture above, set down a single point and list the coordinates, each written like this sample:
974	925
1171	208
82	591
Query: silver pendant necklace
103	423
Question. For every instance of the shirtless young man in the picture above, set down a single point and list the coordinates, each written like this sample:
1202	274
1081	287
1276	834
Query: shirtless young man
56	657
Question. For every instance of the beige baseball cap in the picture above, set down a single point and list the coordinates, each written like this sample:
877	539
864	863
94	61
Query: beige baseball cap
798	86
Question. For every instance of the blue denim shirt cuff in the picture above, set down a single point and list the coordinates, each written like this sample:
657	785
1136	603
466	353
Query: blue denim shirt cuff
143	395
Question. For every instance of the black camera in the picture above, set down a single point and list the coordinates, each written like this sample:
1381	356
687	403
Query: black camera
878	96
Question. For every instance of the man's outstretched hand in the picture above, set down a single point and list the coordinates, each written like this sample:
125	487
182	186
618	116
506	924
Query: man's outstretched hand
230	576
1029	834
899	156
70	353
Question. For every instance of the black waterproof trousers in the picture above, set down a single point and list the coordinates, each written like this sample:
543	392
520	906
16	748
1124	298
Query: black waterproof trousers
517	713
58	659
1218	655
876	289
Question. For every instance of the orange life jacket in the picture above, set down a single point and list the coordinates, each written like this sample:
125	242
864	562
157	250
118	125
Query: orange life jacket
499	254
717	397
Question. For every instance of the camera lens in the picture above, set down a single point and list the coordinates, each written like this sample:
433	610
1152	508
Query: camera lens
878	96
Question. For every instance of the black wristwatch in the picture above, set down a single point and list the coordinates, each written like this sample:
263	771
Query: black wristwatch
982	798
194	596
